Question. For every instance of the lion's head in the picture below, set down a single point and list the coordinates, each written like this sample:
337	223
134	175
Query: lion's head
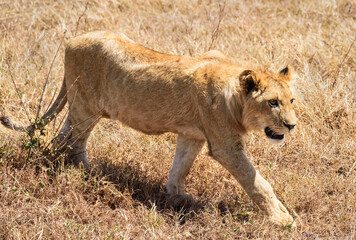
268	103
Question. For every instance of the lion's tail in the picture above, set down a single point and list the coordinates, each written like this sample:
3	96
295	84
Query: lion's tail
56	107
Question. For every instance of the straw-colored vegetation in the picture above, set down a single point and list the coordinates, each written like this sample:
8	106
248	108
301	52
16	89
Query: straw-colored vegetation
313	173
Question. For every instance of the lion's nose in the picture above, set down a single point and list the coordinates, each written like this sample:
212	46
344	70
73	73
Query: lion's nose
289	126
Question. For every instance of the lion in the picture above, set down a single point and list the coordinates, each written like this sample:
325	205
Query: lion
211	99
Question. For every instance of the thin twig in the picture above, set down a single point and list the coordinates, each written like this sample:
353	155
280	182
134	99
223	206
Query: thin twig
80	17
52	99
56	132
17	90
342	62
46	82
216	31
353	166
65	115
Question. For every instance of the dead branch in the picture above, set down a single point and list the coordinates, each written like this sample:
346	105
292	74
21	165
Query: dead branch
216	31
80	17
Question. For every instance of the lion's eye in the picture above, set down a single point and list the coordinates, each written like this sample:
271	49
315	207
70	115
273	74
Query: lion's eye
273	103
292	100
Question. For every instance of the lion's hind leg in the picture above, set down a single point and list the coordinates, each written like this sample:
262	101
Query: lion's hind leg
79	128
61	140
186	152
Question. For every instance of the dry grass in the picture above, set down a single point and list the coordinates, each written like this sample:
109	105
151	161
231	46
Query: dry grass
313	173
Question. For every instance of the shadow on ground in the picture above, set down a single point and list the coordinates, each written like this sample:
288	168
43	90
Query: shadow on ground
144	188
150	191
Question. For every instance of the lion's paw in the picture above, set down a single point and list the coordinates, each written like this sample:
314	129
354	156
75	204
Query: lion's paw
179	201
282	218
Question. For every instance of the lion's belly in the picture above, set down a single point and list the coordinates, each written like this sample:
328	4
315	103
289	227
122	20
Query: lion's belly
190	132
155	123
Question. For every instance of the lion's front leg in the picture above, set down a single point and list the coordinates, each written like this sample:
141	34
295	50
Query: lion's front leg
258	189
186	152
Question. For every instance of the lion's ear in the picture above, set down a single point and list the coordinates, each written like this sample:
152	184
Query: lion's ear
248	81
286	73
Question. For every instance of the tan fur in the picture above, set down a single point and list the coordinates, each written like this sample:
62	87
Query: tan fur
211	98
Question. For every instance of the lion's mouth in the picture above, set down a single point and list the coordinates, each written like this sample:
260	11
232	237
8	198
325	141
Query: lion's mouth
271	134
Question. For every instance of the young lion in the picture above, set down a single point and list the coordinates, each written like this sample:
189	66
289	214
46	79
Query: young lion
207	99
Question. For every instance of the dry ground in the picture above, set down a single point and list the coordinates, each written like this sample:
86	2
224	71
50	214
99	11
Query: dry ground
313	172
